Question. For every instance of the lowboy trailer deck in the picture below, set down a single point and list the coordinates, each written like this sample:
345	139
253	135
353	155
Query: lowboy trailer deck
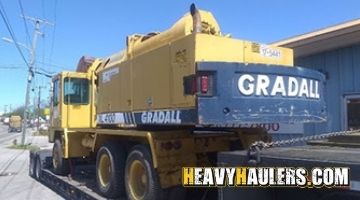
79	186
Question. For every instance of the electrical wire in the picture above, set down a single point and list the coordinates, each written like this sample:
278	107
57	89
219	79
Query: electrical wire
54	32
53	65
11	67
12	34
25	24
43	8
44	74
43	54
45	71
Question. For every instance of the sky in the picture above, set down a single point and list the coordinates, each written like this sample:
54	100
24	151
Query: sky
99	28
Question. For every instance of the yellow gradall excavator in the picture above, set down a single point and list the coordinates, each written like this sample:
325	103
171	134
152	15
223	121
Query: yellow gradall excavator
173	99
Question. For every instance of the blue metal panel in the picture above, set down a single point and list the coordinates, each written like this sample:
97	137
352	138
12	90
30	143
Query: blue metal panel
228	106
342	67
356	67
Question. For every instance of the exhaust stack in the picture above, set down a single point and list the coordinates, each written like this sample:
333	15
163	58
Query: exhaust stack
197	28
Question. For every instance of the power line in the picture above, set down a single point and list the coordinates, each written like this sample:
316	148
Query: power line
9	28
44	74
44	38
53	65
25	24
11	67
54	31
45	71
43	8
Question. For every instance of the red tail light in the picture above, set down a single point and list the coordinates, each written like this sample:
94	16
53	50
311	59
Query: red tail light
204	84
200	84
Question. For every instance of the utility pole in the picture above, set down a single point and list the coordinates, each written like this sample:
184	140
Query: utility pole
37	22
38	112
5	109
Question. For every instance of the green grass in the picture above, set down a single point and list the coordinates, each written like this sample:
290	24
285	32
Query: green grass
24	147
36	133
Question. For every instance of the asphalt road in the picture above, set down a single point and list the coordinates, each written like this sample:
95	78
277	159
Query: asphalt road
14	166
5	136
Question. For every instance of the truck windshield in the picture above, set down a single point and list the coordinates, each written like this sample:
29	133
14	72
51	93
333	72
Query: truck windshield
76	90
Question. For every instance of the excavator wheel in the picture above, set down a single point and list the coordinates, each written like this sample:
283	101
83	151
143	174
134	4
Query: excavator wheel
110	163
142	181
61	165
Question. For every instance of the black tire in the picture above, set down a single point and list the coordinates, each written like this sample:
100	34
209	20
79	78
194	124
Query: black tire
140	157
38	168
32	166
111	183
61	165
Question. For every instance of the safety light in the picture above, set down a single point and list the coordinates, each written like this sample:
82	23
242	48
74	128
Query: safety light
204	84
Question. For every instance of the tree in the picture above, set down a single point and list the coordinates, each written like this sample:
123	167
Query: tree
17	111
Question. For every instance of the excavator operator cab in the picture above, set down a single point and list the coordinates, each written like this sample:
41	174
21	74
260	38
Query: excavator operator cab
71	99
76	91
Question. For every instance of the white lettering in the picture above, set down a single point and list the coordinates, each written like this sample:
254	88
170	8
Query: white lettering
252	177
316	176
293	87
167	117
262	85
198	176
279	87
161	117
341	176
155	118
241	84
143	117
231	175
208	177
178	120
149	117
317	95
300	174
311	88
281	176
263	176
219	174
304	90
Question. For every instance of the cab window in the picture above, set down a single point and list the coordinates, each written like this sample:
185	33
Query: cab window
76	90
56	92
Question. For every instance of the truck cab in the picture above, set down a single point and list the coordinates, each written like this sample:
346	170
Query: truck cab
71	99
15	124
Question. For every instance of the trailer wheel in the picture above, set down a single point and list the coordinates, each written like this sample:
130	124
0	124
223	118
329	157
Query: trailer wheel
110	163
32	166
61	165
142	180
37	167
